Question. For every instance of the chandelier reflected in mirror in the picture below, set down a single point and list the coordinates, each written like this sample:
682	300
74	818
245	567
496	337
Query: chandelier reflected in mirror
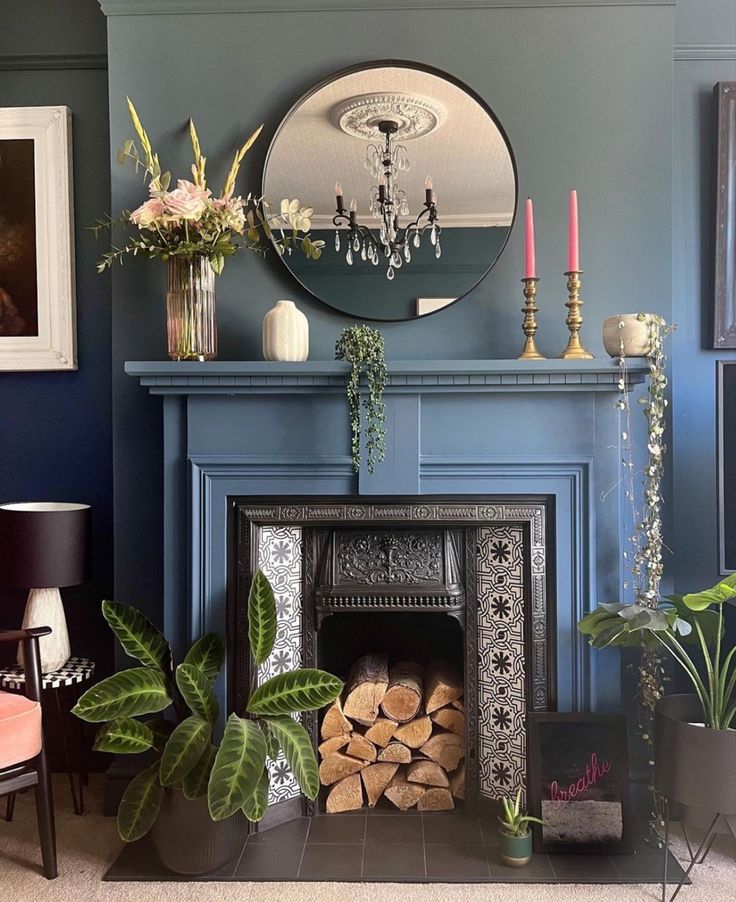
387	239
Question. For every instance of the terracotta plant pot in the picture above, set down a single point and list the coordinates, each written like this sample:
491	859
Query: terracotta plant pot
627	335
516	851
188	841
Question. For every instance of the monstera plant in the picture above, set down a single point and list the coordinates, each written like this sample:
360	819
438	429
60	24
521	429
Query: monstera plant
233	777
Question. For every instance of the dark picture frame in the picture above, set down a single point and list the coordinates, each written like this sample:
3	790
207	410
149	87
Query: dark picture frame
724	311
726	448
573	756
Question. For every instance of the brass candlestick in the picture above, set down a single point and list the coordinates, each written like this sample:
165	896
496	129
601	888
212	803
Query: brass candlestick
574	320
529	326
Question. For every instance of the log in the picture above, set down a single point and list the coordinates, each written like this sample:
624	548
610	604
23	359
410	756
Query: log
334	723
366	688
436	799
360	747
403	698
381	732
403	794
442	685
337	767
457	782
376	778
346	795
459	703
451	719
396	752
446	749
427	772
334	744
414	733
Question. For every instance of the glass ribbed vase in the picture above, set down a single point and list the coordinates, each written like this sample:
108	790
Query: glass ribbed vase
190	309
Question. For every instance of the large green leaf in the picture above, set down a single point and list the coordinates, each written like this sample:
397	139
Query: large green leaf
272	743
195	783
256	804
140	690
261	618
238	767
197	692
124	736
140	804
297	747
138	636
298	690
725	590
184	749
207	654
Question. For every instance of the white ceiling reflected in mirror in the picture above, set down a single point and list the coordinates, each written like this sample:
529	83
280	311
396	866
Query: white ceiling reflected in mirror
412	182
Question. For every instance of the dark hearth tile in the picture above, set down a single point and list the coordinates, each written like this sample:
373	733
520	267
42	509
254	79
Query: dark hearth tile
539	869
446	828
292	833
324	861
336	828
139	861
269	861
584	868
647	863
393	860
489	829
394	829
464	863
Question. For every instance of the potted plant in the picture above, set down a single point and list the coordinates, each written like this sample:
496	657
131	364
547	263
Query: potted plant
193	792
515	837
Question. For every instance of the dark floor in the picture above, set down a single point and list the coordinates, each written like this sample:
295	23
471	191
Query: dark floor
384	845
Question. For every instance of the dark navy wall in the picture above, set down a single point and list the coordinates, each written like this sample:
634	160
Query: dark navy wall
55	428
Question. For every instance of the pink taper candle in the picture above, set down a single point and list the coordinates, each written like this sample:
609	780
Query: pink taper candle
530	267
573	246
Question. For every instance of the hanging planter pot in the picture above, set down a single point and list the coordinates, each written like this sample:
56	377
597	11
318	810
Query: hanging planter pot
628	335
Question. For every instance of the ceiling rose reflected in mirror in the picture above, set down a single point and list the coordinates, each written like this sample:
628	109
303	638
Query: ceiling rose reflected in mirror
413	187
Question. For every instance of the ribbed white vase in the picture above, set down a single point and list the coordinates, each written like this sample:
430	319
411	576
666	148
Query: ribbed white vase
285	333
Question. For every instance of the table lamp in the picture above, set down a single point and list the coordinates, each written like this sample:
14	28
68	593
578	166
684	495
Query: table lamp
43	546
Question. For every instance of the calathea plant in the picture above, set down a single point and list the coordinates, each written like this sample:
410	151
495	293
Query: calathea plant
362	347
234	777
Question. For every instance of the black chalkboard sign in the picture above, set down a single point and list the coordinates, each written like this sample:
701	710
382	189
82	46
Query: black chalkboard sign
579	782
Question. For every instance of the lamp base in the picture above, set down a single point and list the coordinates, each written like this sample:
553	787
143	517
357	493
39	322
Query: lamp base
44	608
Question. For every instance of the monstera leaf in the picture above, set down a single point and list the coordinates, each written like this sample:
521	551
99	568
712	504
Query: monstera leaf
238	767
196	690
207	655
124	736
297	747
629	624
255	806
298	690
722	591
194	785
138	636
184	749
261	618
140	690
140	804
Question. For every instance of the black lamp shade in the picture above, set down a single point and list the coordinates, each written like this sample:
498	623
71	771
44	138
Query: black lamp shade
43	544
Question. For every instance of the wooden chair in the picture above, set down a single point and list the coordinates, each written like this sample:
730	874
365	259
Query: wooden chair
22	755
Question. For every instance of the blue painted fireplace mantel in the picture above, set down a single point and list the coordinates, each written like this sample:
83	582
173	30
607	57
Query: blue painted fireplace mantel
454	428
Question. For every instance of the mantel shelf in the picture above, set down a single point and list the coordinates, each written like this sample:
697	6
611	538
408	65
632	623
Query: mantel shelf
225	377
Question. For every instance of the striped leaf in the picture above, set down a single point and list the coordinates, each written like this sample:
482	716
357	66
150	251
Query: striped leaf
255	806
298	690
140	804
184	749
194	785
196	690
124	736
138	636
261	618
272	743
297	747
139	690
207	654
238	767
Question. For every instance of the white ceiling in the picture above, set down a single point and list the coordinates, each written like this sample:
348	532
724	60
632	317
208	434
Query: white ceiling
466	155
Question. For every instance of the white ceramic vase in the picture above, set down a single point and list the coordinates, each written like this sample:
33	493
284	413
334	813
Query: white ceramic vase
285	333
627	335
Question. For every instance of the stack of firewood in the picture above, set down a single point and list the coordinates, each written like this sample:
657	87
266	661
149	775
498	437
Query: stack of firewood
399	732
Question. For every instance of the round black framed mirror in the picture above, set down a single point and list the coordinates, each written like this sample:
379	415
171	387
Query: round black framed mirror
412	183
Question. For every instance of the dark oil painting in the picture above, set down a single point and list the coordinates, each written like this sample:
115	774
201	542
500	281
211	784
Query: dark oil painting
18	283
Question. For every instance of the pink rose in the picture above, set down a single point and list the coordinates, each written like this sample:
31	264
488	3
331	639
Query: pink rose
148	213
187	201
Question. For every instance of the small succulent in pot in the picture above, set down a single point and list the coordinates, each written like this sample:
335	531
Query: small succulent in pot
515	837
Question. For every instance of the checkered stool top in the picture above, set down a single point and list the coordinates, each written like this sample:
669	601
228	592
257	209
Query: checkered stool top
76	670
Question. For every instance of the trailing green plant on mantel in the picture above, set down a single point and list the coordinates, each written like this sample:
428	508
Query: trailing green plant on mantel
363	347
234	777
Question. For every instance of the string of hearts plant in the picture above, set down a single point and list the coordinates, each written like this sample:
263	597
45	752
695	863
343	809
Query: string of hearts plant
233	776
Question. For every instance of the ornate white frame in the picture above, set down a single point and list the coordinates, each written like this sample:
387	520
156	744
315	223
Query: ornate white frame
55	346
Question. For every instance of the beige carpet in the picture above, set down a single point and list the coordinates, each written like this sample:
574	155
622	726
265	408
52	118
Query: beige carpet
88	844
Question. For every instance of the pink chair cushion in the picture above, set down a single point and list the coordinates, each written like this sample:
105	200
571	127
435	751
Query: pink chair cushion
20	729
